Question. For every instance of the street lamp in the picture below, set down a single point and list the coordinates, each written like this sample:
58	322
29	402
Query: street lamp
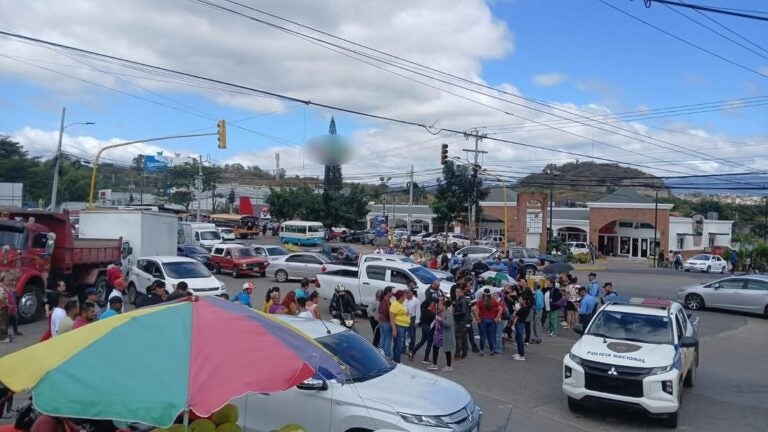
55	190
384	186
504	187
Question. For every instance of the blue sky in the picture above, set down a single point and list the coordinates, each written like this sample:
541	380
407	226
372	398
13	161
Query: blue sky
595	58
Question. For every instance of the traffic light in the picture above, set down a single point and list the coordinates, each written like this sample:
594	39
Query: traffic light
443	154
222	132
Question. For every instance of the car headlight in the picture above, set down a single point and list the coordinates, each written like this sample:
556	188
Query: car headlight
424	420
660	370
574	358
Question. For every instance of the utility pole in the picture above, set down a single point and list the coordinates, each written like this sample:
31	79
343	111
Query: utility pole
410	203
765	227
475	166
551	205
655	227
199	185
55	190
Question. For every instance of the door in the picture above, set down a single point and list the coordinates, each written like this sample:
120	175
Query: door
140	277
755	298
314	265
374	279
296	266
683	329
266	412
644	248
726	293
400	279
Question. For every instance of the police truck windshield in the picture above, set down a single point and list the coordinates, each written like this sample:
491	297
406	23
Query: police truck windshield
652	329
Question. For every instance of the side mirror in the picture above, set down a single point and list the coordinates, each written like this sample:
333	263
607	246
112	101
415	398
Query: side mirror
689	342
716	286
313	384
578	329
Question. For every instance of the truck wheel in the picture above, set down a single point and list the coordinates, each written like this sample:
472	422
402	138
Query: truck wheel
281	276
235	273
131	293
574	405
690	379
694	302
31	304
530	271
101	287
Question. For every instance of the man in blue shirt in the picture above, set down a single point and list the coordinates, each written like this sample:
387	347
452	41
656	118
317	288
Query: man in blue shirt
115	307
244	296
587	307
594	285
512	268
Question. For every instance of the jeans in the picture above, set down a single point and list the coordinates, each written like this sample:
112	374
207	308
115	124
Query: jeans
471	337
584	320
520	338
374	327
436	352
13	322
399	345
536	324
527	331
427	334
499	333
487	329
462	343
553	318
385	338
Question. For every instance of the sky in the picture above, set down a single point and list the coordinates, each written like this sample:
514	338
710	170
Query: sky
553	77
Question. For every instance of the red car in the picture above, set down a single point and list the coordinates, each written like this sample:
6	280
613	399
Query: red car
238	260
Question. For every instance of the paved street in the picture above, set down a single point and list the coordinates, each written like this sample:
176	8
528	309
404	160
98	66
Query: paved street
731	392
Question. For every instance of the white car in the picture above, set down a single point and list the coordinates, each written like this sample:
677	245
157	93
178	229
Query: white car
379	395
227	234
172	270
639	354
271	252
706	263
459	240
491	240
477	252
577	248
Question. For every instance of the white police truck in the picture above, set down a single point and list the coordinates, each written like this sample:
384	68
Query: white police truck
637	354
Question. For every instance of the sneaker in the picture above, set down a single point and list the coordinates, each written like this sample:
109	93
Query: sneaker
516	356
447	369
564	324
426	362
432	367
7	340
519	358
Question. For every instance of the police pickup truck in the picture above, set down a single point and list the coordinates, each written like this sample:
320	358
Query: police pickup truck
635	353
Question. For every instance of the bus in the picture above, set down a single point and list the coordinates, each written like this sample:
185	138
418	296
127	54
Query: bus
244	226
302	233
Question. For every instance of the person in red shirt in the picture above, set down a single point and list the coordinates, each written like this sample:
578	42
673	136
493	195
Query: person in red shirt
487	312
433	263
87	315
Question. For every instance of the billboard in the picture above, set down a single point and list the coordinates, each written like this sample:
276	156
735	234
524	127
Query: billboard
155	163
381	227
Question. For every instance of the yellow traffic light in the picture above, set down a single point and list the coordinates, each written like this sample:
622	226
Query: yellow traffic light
443	154
222	132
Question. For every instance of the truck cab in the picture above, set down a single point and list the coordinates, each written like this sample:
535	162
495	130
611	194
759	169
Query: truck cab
200	234
635	353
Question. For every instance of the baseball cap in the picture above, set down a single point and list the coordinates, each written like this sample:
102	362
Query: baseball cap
115	299
91	291
248	285
157	283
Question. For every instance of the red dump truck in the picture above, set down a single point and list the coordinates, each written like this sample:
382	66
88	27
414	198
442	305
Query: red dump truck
38	248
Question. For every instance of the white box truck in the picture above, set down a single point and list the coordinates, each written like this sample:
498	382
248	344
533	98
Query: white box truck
200	234
144	232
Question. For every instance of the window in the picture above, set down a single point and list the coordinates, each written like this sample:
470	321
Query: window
376	273
300	258
756	285
683	323
626	225
679	327
218	251
644	225
141	264
736	284
40	240
517	254
186	270
259	251
399	277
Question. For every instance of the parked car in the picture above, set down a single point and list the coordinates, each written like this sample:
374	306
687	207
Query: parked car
576	248
421	236
531	258
238	260
302	265
477	252
451	239
196	252
270	252
442	275
371	399
338	252
227	234
491	240
706	263
172	270
747	293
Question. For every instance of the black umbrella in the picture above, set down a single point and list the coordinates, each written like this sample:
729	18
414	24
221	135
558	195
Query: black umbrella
557	268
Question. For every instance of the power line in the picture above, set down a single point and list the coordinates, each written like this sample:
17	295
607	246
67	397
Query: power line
731	12
730	30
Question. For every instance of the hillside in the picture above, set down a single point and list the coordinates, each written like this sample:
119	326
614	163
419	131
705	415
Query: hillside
590	181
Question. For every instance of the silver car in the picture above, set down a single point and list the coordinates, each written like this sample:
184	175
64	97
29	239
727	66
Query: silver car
302	265
747	293
478	252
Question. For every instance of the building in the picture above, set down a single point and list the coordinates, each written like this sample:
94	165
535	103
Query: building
620	224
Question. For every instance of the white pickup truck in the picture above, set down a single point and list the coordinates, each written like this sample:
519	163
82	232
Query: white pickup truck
637	353
375	275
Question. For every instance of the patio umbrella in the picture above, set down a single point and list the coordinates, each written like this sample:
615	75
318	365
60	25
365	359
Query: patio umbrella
150	365
557	268
499	277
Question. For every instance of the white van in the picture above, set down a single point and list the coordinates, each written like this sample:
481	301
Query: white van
302	233
200	234
380	394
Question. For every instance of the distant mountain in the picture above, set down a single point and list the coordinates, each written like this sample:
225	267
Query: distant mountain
751	184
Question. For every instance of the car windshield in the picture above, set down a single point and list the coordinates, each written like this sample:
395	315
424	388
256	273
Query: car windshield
349	250
195	250
653	329
423	275
533	252
243	252
700	258
186	270
364	362
13	238
210	235
276	251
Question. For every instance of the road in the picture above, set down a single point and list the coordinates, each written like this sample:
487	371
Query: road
731	392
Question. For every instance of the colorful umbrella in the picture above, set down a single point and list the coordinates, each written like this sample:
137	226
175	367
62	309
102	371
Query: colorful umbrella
152	364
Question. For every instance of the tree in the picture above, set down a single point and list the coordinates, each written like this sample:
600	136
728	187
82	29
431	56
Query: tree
457	188
333	179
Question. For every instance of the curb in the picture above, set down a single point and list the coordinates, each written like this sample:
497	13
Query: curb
589	267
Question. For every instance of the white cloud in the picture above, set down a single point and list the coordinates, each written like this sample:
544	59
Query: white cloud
549	79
